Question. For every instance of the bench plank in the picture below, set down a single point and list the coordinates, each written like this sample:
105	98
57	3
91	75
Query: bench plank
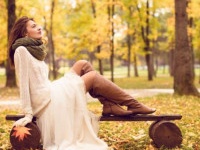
141	118
117	118
17	117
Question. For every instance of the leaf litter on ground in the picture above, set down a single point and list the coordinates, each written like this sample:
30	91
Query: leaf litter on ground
134	135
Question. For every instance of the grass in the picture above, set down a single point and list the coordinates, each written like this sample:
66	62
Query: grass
161	82
164	82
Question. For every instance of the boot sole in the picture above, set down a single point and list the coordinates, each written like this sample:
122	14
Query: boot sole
108	115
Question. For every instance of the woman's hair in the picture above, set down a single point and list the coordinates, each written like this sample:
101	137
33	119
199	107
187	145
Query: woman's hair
18	31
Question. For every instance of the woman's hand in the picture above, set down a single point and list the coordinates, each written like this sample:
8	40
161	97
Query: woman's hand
24	121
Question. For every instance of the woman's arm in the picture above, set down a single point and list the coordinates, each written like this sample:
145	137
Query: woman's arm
21	59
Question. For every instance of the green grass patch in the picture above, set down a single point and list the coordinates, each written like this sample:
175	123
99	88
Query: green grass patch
163	82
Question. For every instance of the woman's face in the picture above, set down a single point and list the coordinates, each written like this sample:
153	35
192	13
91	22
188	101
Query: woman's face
33	30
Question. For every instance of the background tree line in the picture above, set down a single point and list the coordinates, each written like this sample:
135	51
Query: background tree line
109	31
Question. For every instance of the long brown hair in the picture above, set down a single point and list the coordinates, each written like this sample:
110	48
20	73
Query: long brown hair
18	31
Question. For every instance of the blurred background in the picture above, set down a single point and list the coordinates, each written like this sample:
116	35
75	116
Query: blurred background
121	38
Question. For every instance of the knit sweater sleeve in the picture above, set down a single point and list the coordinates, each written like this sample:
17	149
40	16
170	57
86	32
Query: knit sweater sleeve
22	59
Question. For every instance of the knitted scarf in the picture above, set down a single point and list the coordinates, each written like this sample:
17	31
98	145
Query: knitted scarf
35	47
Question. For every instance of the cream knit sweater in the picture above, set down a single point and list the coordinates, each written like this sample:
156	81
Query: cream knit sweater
33	82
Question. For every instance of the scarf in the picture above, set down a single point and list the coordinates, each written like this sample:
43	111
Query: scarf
35	47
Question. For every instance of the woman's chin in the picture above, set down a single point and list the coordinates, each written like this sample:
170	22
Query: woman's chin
38	38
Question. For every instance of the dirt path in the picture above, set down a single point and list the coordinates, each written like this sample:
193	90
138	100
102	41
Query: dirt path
14	102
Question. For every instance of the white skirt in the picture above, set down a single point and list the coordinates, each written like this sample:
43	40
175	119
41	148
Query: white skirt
66	123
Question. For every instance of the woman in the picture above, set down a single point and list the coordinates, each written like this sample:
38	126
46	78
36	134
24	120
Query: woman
60	106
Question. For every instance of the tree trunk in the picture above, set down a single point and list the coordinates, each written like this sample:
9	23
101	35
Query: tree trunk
145	36
129	53
148	55
51	43
112	42
10	73
135	66
51	56
183	56
100	61
156	67
129	44
110	15
171	62
191	23
99	46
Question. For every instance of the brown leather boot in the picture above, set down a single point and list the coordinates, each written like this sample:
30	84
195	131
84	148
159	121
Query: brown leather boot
112	109
87	67
103	87
109	108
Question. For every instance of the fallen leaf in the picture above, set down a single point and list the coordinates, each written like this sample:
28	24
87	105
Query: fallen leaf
21	132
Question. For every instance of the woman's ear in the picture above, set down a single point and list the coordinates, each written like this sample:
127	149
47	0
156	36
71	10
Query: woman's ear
25	34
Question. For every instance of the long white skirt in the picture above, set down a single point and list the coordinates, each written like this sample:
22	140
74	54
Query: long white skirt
66	123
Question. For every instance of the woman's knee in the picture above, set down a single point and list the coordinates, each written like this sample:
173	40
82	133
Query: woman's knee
77	67
80	63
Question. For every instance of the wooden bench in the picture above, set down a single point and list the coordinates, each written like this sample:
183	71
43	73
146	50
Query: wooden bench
162	131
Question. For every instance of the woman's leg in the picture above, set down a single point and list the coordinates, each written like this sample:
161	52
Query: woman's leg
102	87
109	108
108	93
84	69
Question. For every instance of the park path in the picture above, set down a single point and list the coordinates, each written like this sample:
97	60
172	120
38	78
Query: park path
136	93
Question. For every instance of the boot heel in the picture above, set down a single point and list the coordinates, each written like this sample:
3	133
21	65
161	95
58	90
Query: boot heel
111	109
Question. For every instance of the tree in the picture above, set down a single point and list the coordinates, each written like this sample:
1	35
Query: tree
51	42
99	46
148	55
111	11
10	73
183	56
145	33
129	17
194	28
3	35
